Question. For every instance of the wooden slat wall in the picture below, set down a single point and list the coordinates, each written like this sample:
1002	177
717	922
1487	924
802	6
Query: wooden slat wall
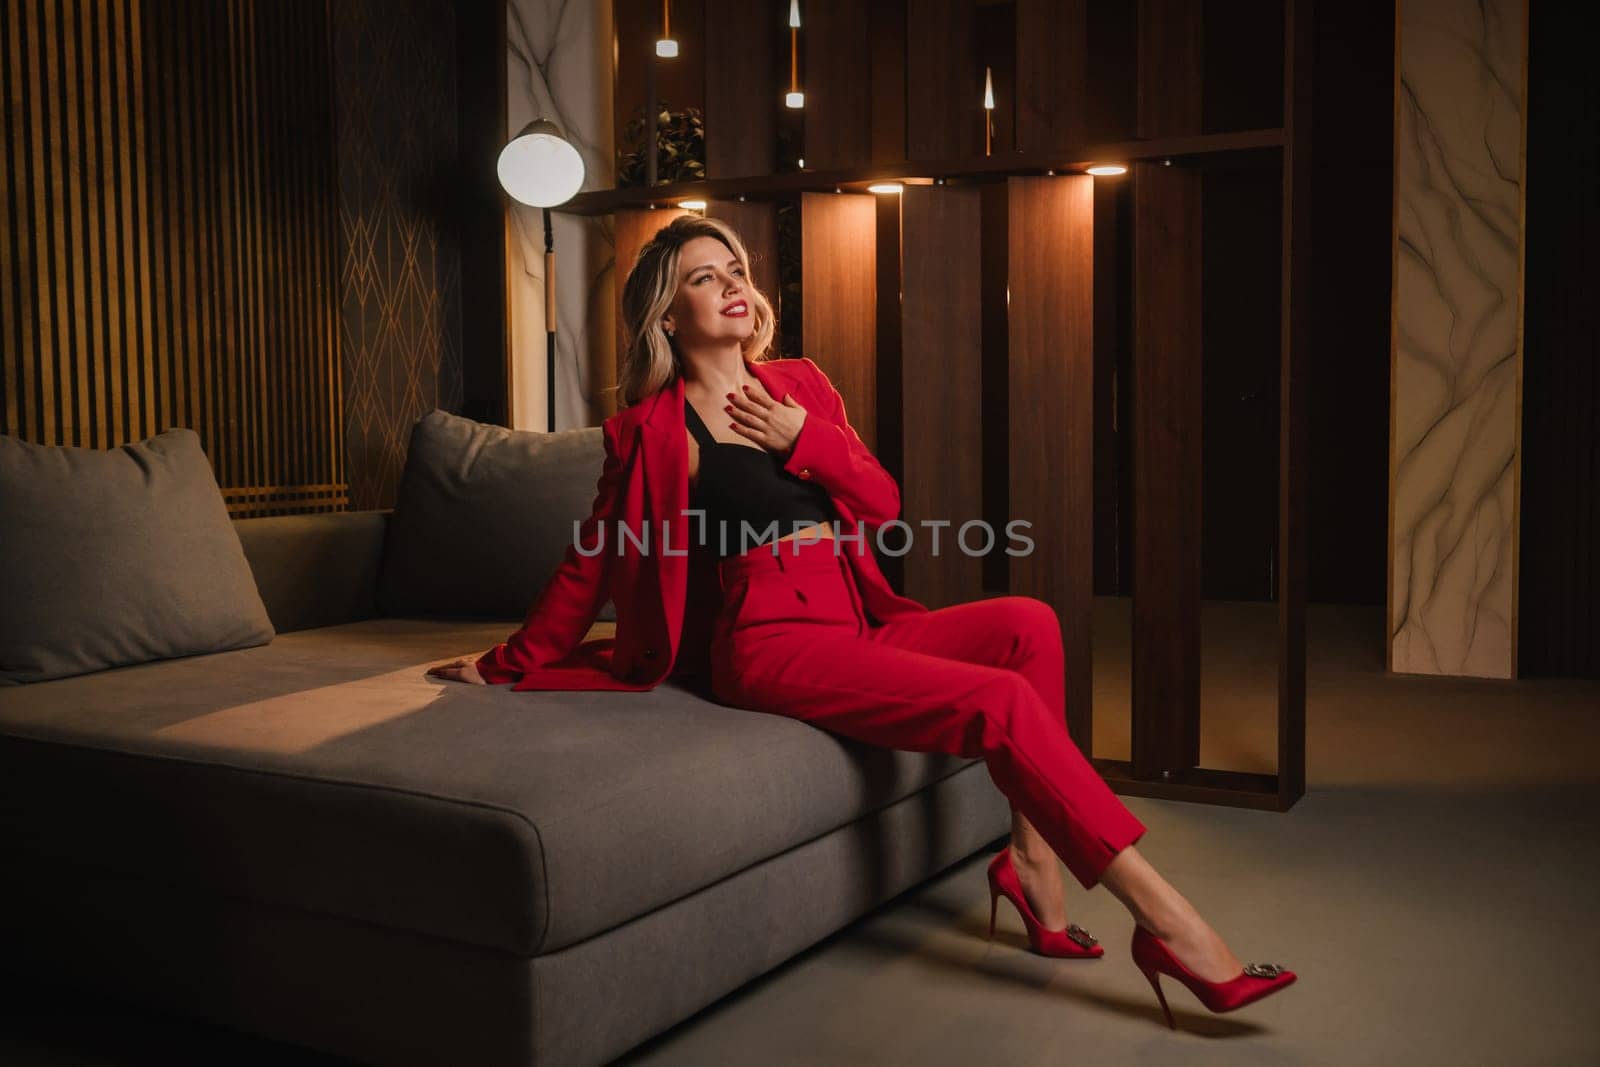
1051	390
170	256
942	389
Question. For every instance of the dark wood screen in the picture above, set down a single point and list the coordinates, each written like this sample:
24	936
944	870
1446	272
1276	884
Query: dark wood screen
171	255
1558	621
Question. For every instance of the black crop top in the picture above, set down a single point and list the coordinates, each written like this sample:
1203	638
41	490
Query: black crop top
746	484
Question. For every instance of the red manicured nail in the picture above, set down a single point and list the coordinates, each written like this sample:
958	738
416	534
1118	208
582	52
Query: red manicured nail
727	407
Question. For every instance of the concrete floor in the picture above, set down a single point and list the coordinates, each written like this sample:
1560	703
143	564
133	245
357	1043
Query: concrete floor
1435	891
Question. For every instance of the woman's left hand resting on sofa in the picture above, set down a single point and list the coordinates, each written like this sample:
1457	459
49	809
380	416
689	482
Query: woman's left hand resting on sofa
459	670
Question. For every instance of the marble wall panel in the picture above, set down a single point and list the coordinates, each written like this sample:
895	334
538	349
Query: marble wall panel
1457	336
559	66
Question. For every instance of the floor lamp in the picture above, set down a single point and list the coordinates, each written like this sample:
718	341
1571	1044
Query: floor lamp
541	169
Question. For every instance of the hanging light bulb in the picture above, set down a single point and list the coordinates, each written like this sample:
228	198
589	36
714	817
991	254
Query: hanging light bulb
666	48
794	99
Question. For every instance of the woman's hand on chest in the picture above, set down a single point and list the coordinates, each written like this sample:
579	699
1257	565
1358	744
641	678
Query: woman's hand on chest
757	417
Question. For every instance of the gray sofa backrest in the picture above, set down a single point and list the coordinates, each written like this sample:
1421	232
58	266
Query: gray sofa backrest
316	570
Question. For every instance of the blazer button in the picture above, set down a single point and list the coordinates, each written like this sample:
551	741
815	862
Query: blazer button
649	653
805	472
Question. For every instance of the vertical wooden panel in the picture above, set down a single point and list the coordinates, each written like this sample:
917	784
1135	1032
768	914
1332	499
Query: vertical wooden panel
837	82
1051	330
944	116
994	285
1241	260
887	57
743	90
1113	52
14	184
1167	470
1559	549
50	215
942	390
8	265
756	222
143	219
633	228
110	349
76	293
1242	59
1052	73
840	272
1113	206
1293	406
889	347
1170	74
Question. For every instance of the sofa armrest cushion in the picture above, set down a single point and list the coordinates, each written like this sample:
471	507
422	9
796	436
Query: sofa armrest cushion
484	516
110	558
315	570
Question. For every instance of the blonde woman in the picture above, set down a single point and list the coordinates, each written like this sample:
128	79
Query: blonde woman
723	450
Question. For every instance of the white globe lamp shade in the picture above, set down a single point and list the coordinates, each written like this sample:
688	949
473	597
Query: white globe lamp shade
539	167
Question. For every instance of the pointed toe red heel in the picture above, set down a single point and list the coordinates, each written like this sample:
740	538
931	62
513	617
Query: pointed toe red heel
1257	980
1072	943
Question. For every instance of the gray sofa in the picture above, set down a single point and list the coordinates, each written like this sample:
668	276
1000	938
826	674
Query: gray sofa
313	841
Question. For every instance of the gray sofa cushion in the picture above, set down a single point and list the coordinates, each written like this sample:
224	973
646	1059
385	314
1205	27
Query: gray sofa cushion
327	772
117	557
484	516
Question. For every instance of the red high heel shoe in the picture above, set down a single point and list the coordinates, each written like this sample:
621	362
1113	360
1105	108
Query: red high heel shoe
1257	980
1072	943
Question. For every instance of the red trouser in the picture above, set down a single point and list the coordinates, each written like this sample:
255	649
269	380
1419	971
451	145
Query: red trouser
986	678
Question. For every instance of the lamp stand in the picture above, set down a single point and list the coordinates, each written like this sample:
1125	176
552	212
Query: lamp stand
549	322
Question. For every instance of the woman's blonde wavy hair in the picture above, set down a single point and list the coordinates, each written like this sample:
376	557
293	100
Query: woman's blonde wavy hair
650	358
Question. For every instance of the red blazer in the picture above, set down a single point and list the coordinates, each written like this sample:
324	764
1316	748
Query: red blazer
665	613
